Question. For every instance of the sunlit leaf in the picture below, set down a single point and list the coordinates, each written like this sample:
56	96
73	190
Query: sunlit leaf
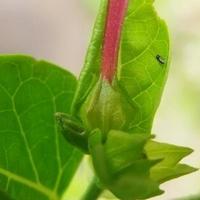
35	160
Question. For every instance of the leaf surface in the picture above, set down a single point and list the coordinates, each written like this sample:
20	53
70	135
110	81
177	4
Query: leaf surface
4	196
142	65
140	72
170	155
121	164
35	160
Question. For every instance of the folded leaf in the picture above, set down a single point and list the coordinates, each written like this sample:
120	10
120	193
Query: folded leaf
35	160
142	63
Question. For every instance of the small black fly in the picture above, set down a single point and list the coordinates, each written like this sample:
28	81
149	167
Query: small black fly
160	59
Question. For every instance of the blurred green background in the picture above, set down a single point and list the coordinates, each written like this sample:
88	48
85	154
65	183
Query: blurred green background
59	31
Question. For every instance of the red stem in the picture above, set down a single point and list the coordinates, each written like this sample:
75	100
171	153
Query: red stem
114	20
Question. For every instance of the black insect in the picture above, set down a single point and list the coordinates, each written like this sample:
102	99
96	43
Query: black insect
160	59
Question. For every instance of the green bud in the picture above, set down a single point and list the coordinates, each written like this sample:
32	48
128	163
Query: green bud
73	131
106	108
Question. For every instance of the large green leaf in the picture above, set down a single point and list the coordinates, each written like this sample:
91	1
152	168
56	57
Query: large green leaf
35	161
4	196
143	61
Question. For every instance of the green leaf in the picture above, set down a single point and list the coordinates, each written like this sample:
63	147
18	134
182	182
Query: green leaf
35	161
140	73
168	168
142	65
4	196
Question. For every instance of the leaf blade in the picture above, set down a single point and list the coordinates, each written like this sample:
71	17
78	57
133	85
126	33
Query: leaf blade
144	36
33	152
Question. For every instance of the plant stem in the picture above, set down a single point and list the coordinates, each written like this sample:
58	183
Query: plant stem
93	191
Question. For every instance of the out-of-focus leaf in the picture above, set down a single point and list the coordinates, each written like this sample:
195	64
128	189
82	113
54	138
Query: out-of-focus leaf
192	197
4	196
35	160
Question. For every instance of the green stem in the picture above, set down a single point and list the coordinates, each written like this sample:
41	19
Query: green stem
93	191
